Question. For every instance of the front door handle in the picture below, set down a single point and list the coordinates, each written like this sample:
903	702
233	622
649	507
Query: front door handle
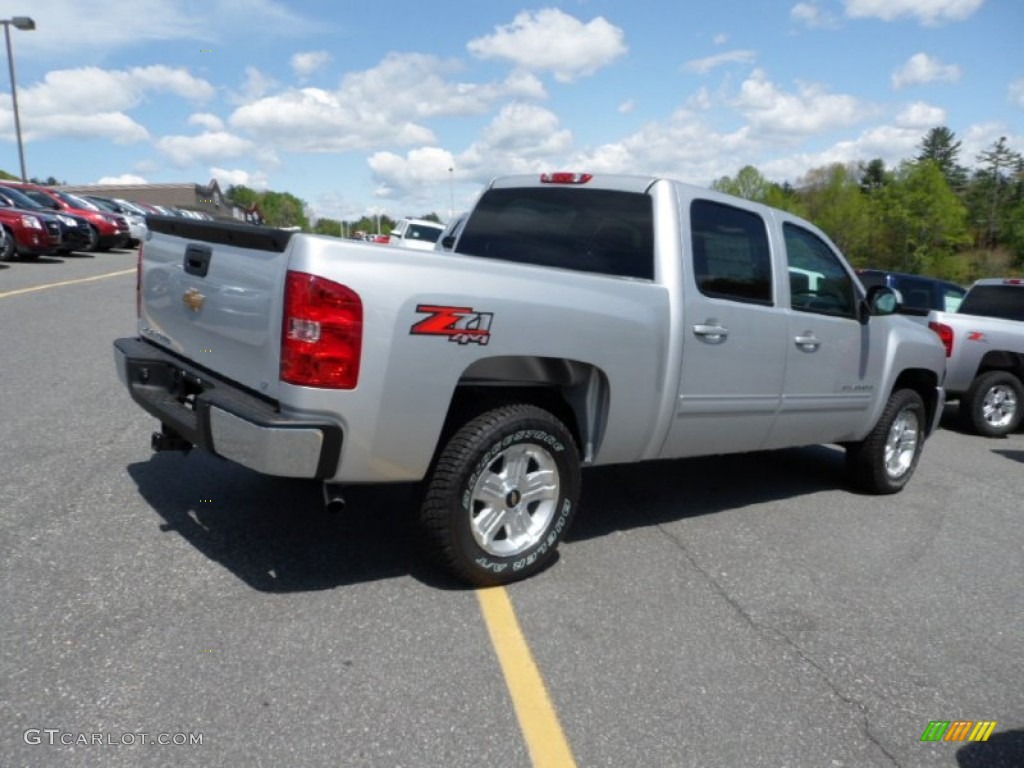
808	342
711	330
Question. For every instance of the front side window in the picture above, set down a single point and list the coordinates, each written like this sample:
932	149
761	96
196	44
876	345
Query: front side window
731	257
818	283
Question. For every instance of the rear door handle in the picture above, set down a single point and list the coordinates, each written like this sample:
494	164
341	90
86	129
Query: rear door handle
808	342
712	330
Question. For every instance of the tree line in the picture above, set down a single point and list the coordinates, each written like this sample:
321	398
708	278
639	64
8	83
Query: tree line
930	215
283	209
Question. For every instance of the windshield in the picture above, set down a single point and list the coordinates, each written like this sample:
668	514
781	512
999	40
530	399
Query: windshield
102	204
76	202
19	200
44	200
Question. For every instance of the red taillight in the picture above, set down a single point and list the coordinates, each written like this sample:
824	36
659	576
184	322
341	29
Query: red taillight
138	283
1013	281
564	177
322	337
945	336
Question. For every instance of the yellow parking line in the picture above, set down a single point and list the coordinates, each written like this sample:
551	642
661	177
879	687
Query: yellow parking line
66	282
537	719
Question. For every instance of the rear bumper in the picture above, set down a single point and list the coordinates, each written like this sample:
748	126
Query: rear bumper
219	416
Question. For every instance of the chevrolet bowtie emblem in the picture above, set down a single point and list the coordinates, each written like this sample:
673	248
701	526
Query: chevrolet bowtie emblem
193	299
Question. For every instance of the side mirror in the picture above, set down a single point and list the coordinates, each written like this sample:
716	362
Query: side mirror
448	242
882	300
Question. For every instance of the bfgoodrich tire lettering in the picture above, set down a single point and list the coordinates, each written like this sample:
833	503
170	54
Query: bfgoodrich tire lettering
994	404
886	459
502	495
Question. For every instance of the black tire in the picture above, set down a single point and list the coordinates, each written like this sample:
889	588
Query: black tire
9	249
537	450
993	405
94	240
885	460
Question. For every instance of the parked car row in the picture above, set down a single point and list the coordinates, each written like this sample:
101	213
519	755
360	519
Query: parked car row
36	220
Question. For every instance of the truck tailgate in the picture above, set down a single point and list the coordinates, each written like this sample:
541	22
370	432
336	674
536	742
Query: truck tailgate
212	292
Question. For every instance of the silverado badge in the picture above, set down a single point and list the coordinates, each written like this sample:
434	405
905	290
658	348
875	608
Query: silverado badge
193	299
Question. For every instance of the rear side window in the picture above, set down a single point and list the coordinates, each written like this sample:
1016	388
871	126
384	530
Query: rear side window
731	258
588	230
1003	301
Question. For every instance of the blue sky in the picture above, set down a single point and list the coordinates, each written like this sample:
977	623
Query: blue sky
359	108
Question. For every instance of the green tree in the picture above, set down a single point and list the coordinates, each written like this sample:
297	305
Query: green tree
993	191
326	226
833	201
873	175
925	223
749	184
941	147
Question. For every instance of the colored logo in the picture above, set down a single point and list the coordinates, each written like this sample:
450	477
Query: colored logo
462	325
958	730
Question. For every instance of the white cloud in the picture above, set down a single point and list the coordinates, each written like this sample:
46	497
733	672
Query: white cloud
720	39
90	102
124	178
207	121
922	116
305	64
386	104
812	15
416	176
627	107
1016	93
255	86
928	12
551	40
812	110
922	68
71	28
702	66
207	147
234	177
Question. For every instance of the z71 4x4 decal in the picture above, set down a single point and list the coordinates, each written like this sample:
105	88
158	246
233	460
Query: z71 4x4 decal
463	325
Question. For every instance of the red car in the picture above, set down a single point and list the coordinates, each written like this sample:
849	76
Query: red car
107	230
27	235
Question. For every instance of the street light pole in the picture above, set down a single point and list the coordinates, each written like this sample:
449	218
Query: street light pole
26	24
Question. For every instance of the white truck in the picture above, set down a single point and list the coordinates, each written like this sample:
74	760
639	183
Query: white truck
984	341
577	320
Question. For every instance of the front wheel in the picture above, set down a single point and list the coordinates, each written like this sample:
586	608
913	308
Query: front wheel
8	249
885	460
994	404
502	494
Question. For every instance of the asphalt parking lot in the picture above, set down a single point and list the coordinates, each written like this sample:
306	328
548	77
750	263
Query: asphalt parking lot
734	611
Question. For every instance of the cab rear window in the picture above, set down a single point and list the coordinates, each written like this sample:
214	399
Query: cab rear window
588	230
1003	301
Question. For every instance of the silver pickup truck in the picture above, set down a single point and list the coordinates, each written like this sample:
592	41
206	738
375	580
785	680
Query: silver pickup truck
984	342
576	320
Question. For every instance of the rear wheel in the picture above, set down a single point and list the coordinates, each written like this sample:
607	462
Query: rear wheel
885	460
502	494
994	404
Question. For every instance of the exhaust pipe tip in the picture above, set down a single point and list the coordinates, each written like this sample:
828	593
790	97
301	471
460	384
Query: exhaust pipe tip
334	502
